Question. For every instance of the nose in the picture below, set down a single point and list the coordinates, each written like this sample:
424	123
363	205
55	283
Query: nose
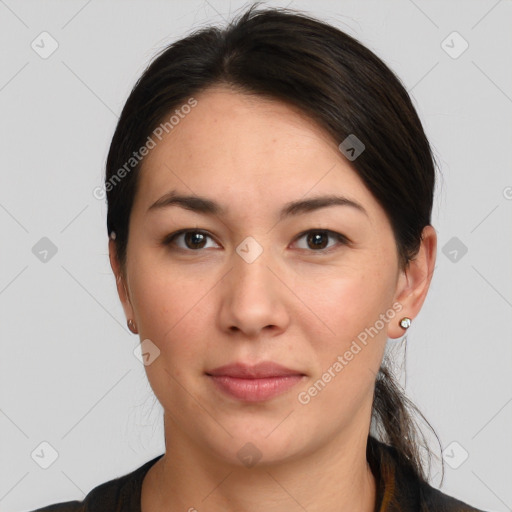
254	297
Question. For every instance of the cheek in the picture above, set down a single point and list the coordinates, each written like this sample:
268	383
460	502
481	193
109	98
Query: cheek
346	302
349	351
350	306
170	312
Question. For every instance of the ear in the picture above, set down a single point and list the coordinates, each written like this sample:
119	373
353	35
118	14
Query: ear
414	282
120	280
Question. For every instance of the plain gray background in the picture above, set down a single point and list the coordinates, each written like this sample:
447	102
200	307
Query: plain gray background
68	374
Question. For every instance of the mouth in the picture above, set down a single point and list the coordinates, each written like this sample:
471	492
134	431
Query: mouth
255	383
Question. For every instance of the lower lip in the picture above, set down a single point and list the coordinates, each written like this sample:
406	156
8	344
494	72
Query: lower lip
255	390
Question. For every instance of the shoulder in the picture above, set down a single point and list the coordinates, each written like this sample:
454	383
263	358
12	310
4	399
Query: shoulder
436	500
401	489
122	493
68	506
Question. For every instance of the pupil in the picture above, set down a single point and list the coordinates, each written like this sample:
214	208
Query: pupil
196	238
316	237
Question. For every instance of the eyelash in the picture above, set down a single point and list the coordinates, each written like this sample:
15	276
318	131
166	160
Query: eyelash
169	239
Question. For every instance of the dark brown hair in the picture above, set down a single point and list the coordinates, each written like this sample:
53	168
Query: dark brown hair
286	55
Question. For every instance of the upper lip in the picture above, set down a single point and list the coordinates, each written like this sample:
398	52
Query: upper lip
265	369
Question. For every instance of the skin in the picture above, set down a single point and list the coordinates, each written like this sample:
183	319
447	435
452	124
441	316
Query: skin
295	305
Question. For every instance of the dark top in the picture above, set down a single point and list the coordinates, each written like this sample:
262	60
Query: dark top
398	489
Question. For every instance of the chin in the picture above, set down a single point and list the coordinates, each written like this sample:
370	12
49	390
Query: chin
261	443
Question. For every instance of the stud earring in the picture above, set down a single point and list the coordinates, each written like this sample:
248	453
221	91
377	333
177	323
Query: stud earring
405	323
132	326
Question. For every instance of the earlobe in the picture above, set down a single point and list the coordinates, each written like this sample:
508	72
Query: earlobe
414	283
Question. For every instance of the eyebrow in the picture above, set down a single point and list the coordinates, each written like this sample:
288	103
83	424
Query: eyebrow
209	207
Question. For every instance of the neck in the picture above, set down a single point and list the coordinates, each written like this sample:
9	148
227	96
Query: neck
335	477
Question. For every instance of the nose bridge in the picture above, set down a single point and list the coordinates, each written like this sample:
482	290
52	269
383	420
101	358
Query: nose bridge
251	299
251	261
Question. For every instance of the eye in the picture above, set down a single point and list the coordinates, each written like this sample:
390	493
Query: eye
193	239
315	239
318	238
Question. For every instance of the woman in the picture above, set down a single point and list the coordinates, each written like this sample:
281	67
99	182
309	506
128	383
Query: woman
269	192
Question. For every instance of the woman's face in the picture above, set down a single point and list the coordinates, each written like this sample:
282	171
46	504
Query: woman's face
259	281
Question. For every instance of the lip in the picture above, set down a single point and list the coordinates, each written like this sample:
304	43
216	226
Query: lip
265	369
254	383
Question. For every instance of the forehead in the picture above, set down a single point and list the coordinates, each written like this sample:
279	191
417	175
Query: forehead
246	148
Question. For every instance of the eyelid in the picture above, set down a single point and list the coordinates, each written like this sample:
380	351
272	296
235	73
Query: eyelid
168	239
342	239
